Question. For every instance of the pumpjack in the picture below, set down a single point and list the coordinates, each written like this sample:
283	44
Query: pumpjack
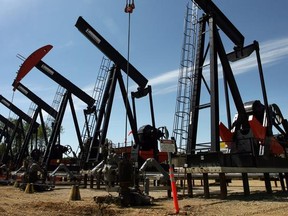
6	127
18	130
125	167
8	156
249	138
29	163
255	141
34	60
36	152
13	141
52	158
145	137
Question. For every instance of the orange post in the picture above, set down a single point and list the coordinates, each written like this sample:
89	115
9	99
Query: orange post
169	146
174	189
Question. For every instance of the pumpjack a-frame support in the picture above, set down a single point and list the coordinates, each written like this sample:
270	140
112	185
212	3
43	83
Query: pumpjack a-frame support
102	123
216	47
120	63
18	126
7	128
6	133
41	105
216	20
34	60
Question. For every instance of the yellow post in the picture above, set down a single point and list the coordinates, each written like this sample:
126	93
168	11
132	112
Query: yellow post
29	188
75	193
16	184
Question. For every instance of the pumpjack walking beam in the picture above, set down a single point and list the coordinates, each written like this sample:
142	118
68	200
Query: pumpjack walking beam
222	21
38	112
16	110
37	100
110	52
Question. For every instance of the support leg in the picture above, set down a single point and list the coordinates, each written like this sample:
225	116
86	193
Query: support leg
286	180
91	181
189	185
206	185
267	183
281	179
85	180
223	185
245	184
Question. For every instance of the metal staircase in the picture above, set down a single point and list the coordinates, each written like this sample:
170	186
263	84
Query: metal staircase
185	79
91	116
55	104
50	121
32	109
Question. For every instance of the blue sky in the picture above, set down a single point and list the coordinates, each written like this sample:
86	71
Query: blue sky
156	40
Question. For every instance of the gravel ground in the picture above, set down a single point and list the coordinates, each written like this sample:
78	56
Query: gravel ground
57	202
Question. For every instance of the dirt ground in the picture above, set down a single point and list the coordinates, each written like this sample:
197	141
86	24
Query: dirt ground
57	202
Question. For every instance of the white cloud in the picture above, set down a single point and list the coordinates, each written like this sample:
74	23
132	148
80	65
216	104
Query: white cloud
271	52
168	77
165	90
274	50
